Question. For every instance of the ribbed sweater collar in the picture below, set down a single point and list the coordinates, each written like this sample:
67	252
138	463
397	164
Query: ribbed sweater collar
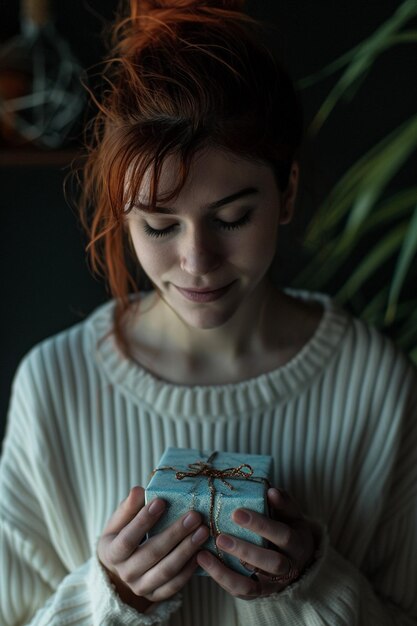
247	396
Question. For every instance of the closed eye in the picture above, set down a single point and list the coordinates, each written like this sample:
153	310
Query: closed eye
245	219
221	224
156	232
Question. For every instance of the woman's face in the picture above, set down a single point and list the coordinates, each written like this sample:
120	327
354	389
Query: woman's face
208	251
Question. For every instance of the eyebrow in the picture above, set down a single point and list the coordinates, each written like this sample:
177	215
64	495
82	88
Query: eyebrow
217	204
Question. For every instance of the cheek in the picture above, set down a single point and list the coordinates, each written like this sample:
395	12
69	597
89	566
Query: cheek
152	258
259	248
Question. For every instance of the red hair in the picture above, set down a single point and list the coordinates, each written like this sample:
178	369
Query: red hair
182	75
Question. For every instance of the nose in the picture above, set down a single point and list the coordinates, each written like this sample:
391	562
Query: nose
199	254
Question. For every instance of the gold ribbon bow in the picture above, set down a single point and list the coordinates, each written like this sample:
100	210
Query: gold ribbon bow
205	468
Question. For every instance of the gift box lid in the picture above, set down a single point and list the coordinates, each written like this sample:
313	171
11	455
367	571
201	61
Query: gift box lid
190	465
213	483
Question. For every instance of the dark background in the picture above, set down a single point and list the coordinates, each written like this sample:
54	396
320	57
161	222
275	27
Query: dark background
45	285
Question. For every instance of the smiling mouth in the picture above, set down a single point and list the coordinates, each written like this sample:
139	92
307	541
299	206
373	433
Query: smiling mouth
204	295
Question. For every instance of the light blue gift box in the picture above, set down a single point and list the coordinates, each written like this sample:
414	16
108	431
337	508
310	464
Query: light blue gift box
213	483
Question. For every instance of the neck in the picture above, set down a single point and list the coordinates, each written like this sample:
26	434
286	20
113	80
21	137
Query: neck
242	334
265	333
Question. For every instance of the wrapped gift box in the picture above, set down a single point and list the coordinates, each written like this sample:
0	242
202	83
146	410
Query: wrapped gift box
214	484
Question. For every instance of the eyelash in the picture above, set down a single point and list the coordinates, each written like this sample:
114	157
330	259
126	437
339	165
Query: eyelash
227	226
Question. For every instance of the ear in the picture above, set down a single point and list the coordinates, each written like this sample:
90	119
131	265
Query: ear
288	197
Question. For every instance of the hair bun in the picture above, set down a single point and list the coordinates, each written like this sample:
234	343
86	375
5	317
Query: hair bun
147	6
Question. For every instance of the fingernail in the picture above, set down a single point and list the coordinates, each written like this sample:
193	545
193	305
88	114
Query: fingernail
242	517
200	535
282	494
226	542
190	521
156	507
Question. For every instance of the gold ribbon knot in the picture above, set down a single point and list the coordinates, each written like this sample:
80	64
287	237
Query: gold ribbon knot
205	468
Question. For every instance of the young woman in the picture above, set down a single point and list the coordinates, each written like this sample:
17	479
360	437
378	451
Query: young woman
191	180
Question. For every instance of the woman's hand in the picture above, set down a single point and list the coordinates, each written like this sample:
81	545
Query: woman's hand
158	568
274	568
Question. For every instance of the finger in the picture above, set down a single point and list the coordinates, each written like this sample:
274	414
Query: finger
126	510
283	579
236	584
157	547
174	585
272	562
278	533
169	569
125	542
280	501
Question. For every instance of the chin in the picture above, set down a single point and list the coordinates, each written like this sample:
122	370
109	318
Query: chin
206	320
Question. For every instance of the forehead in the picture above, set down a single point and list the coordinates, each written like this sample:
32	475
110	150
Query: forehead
213	173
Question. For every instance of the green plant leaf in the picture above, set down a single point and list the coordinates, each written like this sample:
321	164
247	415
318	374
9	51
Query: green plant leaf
329	69
355	208
332	255
406	12
386	164
407	253
359	60
398	206
363	183
409	36
405	318
372	313
394	207
373	261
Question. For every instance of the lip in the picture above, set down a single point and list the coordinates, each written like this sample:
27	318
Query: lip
204	295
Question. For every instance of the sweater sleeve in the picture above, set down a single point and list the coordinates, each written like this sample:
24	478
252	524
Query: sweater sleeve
337	593
37	587
382	590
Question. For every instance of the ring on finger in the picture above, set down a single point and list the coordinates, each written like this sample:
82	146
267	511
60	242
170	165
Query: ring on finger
250	568
254	570
292	574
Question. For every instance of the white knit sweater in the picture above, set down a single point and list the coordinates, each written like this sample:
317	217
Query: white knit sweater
86	424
